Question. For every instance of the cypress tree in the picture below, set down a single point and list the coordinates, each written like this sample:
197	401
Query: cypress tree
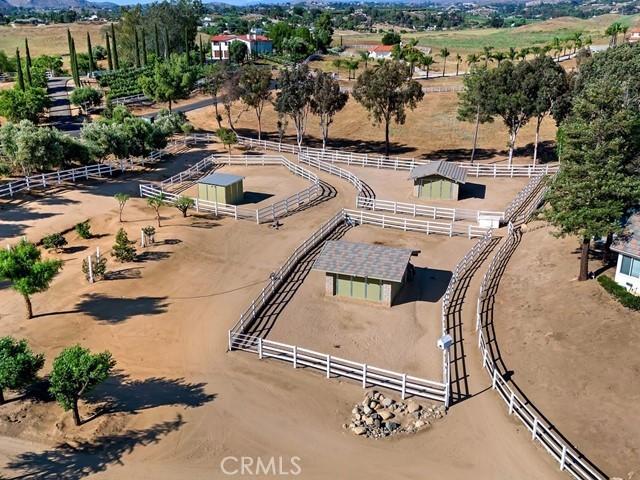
186	47
19	68
74	64
137	48
166	44
28	62
202	56
157	40
116	62
144	48
109	59
92	64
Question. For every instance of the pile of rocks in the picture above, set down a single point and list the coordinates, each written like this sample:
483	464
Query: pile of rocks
380	416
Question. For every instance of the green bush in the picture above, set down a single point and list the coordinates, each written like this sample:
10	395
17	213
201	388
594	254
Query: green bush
122	249
83	230
55	241
625	297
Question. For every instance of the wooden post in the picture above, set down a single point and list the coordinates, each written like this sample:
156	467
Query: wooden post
90	269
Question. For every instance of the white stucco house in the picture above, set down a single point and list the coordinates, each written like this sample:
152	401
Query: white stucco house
256	44
628	247
380	52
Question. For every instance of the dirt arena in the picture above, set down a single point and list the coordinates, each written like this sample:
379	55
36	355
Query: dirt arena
401	338
573	349
179	403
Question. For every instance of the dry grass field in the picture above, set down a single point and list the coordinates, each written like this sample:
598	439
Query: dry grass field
431	131
573	349
49	39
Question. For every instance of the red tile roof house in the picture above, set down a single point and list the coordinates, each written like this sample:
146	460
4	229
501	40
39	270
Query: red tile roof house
634	35
627	246
256	44
380	51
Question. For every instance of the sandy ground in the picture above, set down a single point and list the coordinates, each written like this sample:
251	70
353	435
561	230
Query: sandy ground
262	185
431	131
573	350
401	338
180	403
478	193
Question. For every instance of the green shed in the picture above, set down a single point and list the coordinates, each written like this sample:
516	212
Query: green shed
438	180
364	271
221	188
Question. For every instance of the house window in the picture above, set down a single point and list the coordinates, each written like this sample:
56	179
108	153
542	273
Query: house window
630	266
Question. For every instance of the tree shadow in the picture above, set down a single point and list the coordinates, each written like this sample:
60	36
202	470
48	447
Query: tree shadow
460	154
148	256
115	310
123	394
204	224
76	249
88	457
472	190
9	230
428	285
123	274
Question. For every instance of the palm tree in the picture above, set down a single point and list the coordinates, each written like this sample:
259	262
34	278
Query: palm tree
352	66
624	31
444	53
512	53
458	60
577	40
522	54
556	45
537	51
613	30
472	59
499	57
339	63
427	61
486	54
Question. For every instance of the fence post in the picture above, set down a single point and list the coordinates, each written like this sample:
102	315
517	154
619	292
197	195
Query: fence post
229	338
535	427
563	458
295	356
364	375
197	205
511	402
90	269
260	348
328	366
404	385
494	378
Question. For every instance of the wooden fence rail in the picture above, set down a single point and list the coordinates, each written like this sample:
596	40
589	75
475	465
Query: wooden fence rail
568	458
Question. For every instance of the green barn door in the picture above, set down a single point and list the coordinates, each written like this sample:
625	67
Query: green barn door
374	290
357	288
445	190
343	285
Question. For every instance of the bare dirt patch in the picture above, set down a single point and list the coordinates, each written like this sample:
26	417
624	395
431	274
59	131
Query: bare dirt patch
401	338
573	350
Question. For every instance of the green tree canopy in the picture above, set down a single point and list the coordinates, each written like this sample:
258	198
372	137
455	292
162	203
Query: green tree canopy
294	97
327	100
19	366
169	81
255	90
386	91
23	266
28	104
76	372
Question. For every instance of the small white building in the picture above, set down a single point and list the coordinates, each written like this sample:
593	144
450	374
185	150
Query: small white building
628	247
381	52
256	44
634	35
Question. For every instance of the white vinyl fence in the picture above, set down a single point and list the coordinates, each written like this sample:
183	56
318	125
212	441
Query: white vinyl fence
568	458
416	210
99	170
380	161
522	197
330	366
268	213
412	225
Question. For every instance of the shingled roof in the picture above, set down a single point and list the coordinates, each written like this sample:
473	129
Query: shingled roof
441	168
363	260
629	242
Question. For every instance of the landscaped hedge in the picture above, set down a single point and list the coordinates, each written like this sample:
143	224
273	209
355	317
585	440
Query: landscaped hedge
626	298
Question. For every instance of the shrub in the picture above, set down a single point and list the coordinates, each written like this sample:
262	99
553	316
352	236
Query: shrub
122	249
83	229
98	268
626	298
149	234
55	241
183	204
